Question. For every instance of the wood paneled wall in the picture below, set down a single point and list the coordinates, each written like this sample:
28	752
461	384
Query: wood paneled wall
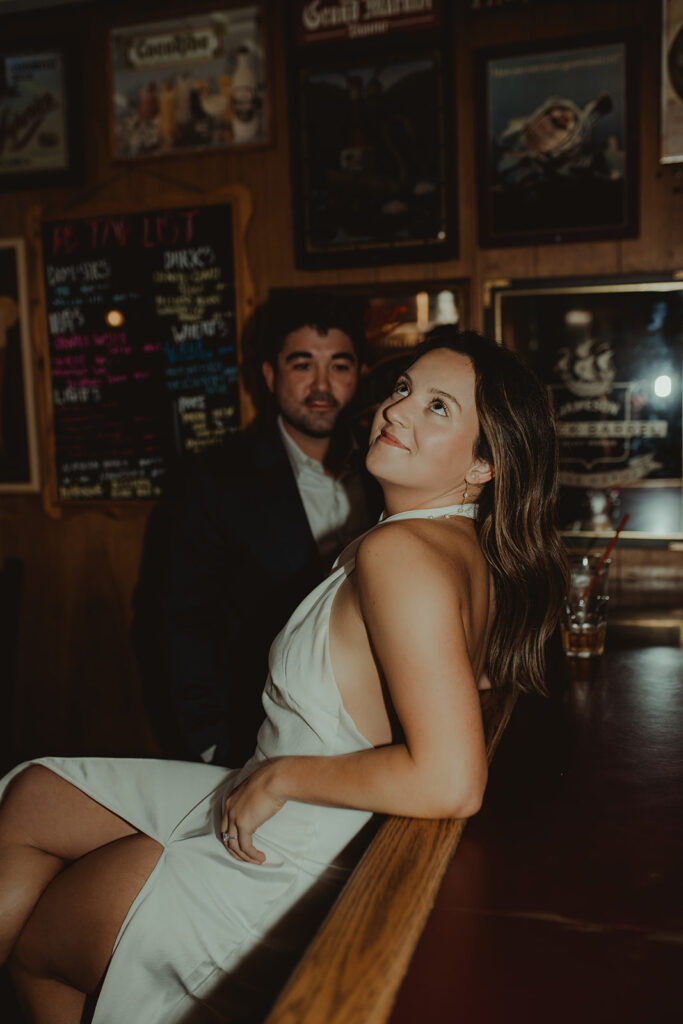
78	689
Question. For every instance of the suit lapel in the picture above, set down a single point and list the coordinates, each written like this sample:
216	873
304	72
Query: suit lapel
292	534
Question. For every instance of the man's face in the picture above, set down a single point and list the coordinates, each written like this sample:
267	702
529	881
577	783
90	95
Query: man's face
315	376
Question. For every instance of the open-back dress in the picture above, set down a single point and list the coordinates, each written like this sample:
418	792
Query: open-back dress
207	936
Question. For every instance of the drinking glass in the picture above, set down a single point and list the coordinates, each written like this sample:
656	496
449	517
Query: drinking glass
584	619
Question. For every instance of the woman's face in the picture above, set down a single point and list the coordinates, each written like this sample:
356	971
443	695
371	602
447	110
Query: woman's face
423	436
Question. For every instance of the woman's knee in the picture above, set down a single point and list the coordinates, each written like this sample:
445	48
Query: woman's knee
44	810
72	931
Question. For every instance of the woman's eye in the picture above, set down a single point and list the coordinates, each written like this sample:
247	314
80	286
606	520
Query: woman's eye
439	408
400	387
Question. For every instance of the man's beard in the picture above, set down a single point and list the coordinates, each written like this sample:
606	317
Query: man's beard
309	423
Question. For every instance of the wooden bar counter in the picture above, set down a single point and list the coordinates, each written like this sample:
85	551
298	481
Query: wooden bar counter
564	899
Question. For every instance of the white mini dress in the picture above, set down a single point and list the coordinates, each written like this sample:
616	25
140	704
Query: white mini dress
209	938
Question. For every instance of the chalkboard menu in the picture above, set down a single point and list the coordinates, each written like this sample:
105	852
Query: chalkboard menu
142	327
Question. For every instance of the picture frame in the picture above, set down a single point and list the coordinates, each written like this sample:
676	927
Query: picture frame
164	102
557	142
18	429
611	352
373	170
41	142
671	149
496	6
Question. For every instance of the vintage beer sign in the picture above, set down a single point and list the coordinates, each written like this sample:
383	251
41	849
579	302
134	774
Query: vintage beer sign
33	131
324	21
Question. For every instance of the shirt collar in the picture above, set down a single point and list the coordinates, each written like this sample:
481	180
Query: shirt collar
298	459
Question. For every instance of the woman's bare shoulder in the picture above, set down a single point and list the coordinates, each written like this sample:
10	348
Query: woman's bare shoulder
417	551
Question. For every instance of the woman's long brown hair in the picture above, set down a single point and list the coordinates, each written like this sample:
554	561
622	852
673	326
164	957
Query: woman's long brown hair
517	508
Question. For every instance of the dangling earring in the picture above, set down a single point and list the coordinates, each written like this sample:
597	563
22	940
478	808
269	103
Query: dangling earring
466	493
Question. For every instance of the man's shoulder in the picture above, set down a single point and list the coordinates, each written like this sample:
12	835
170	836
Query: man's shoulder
244	454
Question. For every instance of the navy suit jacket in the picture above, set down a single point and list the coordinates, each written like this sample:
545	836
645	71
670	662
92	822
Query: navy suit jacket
241	558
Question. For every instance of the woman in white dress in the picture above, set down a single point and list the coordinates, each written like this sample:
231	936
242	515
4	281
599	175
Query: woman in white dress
156	886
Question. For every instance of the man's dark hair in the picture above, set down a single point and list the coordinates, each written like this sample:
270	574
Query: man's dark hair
287	311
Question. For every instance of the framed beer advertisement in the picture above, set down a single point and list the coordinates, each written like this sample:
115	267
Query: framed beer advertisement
372	122
611	353
372	173
558	156
329	21
39	133
189	84
672	82
18	433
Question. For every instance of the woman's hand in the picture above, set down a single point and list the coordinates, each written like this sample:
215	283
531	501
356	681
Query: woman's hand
246	809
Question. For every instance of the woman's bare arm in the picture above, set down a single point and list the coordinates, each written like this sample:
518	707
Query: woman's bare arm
412	599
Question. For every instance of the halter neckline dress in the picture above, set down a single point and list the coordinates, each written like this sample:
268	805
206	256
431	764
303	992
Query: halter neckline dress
209	938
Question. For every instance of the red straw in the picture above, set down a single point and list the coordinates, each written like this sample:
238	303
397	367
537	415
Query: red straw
605	556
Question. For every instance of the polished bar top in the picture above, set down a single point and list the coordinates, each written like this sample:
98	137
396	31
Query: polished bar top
564	899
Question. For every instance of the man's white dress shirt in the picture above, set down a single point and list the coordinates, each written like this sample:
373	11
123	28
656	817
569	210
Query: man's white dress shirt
334	506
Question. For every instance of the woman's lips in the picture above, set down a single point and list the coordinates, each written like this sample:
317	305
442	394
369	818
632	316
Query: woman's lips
388	438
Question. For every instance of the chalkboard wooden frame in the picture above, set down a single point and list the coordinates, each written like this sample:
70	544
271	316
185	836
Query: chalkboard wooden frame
21	417
238	198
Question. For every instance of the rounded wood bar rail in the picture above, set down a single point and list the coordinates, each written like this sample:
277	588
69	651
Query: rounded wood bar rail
352	970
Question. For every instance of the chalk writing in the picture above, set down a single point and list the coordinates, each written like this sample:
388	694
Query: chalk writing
141	322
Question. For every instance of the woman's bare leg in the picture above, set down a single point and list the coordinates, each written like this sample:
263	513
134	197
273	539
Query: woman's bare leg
66	945
45	823
62	1004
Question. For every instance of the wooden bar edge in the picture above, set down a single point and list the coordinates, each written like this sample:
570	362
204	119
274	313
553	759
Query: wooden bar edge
351	972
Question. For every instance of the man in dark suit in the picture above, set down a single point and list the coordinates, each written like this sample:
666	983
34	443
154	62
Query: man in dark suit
259	524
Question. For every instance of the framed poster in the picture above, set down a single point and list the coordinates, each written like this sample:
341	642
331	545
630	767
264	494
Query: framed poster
611	352
672	82
18	443
372	167
39	136
191	83
558	155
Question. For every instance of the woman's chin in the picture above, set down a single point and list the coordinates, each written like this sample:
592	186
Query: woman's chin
383	473
376	461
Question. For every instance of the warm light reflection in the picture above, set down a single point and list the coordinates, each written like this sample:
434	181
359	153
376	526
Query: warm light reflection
114	317
578	317
422	305
656	694
663	386
446	310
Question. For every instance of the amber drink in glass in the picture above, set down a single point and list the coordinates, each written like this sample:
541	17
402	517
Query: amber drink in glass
584	620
